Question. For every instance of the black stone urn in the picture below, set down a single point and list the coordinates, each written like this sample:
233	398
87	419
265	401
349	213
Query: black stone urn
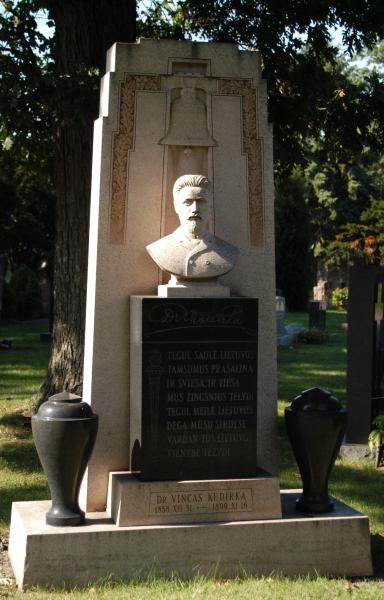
316	424
64	430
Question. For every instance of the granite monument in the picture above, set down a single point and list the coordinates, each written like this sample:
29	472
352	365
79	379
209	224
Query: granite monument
183	373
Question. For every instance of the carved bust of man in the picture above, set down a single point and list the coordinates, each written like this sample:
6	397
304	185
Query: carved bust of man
191	252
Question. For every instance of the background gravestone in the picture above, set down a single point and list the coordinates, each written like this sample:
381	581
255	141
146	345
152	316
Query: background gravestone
280	315
365	362
316	315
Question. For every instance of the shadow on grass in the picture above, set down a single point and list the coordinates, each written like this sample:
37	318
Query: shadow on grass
21	476
24	493
21	348
17	420
361	483
286	458
20	456
19	373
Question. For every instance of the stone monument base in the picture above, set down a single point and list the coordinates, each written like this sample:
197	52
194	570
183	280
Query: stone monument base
336	544
133	502
193	290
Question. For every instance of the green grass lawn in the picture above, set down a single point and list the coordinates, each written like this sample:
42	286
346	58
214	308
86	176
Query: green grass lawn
247	588
22	370
304	365
359	484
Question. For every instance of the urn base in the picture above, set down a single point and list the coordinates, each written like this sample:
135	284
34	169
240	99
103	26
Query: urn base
64	517
314	505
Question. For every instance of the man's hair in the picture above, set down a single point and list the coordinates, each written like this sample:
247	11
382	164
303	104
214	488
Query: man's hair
192	181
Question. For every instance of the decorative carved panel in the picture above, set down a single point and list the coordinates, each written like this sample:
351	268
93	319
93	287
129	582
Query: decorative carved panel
123	141
252	147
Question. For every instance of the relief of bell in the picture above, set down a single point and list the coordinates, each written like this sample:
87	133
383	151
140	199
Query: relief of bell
188	123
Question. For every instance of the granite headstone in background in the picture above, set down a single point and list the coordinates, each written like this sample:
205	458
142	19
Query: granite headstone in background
199	386
317	316
365	385
280	315
286	334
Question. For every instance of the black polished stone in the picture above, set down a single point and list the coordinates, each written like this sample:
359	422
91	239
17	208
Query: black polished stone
199	387
365	357
64	430
317	316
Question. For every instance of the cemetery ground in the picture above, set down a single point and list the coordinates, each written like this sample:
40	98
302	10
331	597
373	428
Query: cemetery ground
359	484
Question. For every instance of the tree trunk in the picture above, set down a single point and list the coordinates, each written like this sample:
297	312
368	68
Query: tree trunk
84	32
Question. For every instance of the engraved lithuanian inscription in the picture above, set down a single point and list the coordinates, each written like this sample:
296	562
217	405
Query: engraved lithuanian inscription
199	388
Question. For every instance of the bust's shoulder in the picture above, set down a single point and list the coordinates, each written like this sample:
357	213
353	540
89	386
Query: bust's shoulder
162	244
168	253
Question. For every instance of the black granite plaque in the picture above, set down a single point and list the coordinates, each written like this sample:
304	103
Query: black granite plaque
199	386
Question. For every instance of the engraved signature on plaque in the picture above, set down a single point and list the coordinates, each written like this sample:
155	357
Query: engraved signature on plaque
173	313
201	502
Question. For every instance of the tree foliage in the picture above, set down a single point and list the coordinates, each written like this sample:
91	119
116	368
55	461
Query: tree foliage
26	121
305	86
23	296
346	184
27	212
28	90
294	256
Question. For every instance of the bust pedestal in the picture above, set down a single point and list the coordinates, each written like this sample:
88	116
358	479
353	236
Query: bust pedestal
193	289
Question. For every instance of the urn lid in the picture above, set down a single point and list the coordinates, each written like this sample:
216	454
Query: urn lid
316	400
65	406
